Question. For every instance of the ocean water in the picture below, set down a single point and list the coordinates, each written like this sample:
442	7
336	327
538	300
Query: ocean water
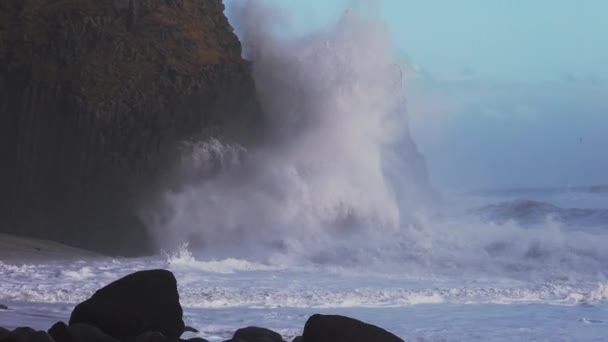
333	212
547	283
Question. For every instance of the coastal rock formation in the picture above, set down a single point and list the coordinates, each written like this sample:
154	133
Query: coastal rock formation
140	302
95	95
60	332
334	328
256	334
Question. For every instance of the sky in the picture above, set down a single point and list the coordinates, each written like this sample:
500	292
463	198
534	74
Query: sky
514	93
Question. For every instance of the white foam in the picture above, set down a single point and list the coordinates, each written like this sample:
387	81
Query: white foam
81	274
240	283
599	293
183	258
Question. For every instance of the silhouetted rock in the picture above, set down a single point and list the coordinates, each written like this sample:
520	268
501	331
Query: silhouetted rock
26	335
329	328
138	303
150	336
3	307
3	332
256	334
60	332
95	97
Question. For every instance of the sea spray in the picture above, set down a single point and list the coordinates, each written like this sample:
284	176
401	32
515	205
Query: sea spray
338	181
337	158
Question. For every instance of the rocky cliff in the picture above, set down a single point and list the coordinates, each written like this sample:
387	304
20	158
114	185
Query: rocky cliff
95	95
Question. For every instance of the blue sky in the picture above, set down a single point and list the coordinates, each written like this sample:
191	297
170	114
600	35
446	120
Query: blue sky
519	90
515	40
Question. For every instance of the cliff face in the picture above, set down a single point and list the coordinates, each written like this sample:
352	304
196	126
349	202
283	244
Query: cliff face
94	96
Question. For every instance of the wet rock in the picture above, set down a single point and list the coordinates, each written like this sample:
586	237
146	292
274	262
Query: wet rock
89	333
190	329
3	307
256	334
26	335
60	332
138	303
150	336
330	328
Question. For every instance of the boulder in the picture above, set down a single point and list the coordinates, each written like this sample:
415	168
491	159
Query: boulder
60	332
3	307
89	333
256	334
26	335
140	302
333	328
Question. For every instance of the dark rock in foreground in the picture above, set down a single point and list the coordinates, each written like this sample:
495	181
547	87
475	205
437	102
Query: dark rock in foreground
25	335
144	307
60	332
256	334
140	302
328	328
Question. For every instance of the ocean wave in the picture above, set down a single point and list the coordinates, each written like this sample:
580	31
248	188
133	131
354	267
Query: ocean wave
543	191
527	212
183	258
55	283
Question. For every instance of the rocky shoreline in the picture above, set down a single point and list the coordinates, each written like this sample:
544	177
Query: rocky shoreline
144	307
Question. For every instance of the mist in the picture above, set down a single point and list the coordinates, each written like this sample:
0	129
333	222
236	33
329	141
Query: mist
339	179
337	156
499	95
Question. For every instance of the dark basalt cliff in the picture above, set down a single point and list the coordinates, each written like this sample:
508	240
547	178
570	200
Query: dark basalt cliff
94	97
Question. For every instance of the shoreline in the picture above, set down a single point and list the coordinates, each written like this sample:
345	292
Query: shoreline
14	248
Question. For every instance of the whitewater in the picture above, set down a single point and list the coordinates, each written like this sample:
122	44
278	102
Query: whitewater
549	288
332	211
